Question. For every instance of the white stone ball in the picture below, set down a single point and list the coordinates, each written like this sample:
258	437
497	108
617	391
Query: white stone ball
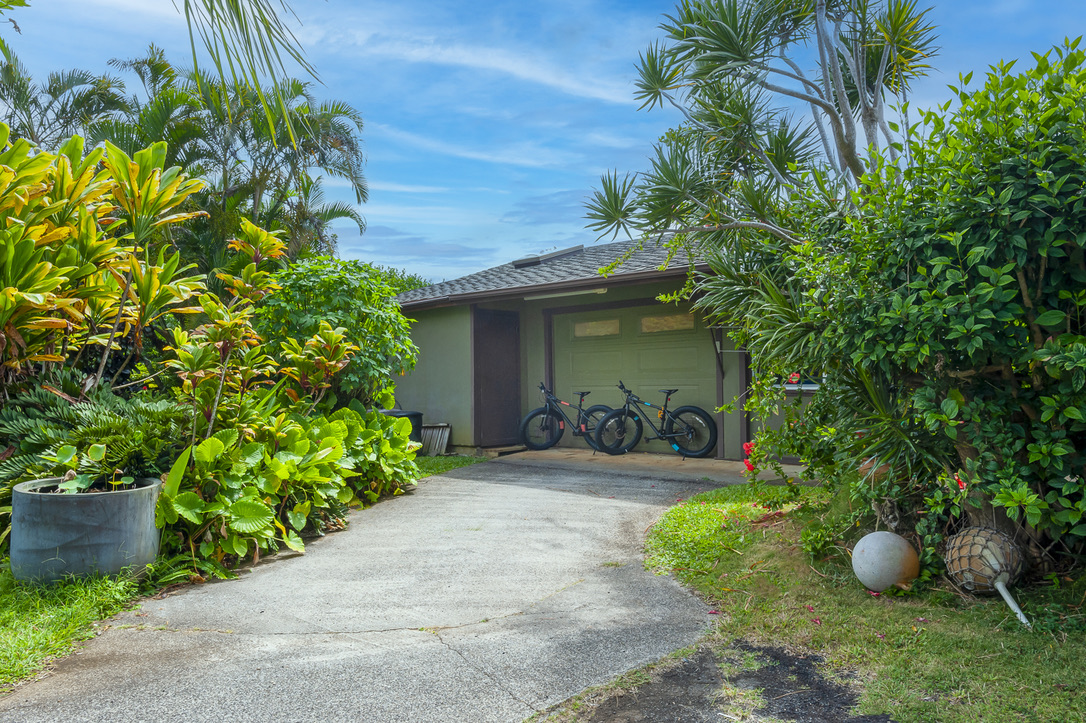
882	559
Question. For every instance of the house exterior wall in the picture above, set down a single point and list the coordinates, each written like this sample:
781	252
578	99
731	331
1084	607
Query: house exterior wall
440	386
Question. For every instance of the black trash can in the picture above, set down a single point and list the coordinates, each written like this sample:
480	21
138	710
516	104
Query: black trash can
416	421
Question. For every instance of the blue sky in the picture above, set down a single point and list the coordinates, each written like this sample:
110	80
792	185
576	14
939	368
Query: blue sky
489	122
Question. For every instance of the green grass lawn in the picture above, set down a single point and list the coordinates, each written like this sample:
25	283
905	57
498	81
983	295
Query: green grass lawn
436	465
38	624
924	657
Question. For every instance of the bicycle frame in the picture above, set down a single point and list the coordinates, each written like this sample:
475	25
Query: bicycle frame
632	400
555	404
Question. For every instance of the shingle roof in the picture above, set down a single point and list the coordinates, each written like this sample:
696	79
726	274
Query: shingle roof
570	267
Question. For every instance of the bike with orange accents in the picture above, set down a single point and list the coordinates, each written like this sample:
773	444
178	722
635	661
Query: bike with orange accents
543	427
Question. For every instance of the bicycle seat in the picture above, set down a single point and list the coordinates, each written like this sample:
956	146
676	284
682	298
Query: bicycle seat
668	392
582	395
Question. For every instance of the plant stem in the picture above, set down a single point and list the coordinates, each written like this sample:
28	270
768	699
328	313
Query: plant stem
116	323
218	396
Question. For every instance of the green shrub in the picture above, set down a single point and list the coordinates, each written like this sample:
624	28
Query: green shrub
230	496
941	305
348	294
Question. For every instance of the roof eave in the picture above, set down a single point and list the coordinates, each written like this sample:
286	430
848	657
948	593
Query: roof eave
593	282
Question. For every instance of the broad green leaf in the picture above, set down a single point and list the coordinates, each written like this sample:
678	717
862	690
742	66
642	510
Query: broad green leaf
227	436
76	484
190	506
177	473
165	514
250	516
209	450
294	542
239	545
65	454
296	519
1052	317
252	453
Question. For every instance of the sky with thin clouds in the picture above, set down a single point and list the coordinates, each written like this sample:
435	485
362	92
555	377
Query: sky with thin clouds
488	123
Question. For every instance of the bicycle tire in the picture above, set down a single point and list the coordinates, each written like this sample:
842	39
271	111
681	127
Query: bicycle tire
619	431
698	431
541	429
590	419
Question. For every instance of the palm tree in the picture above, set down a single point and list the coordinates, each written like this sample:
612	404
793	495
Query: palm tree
326	137
64	105
168	112
307	218
246	39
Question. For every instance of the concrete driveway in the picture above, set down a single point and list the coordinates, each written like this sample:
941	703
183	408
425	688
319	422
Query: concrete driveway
493	592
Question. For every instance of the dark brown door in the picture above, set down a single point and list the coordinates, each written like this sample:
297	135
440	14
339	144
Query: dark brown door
496	352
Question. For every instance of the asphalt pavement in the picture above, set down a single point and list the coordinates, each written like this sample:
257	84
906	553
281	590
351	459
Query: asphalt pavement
493	592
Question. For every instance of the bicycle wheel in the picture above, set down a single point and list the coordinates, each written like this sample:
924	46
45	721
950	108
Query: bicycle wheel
541	429
619	431
696	431
590	420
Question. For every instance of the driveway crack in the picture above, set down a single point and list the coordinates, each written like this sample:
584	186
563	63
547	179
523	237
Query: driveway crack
489	675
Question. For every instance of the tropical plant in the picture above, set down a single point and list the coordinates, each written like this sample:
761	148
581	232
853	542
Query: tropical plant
232	496
65	104
351	295
945	317
246	39
47	431
146	194
741	157
167	111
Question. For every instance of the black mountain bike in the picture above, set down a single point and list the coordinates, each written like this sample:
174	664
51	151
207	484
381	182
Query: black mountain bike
690	431
543	427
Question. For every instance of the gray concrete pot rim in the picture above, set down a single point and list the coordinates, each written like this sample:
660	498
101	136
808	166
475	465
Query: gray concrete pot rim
35	486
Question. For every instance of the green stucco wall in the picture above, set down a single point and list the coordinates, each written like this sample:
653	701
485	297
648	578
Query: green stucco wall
440	384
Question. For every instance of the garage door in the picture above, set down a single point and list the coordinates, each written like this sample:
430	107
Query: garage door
647	347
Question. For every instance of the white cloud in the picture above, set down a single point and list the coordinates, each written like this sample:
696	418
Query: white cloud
528	154
405	188
422	215
497	60
610	140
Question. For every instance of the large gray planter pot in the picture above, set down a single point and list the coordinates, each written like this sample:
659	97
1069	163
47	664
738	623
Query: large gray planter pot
56	535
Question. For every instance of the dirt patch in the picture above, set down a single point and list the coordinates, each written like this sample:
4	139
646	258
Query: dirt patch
794	689
740	682
682	693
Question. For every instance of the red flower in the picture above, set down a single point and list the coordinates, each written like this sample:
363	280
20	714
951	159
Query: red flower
750	467
748	448
961	485
793	378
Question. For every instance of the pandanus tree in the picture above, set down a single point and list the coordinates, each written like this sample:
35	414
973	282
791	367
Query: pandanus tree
788	107
735	70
